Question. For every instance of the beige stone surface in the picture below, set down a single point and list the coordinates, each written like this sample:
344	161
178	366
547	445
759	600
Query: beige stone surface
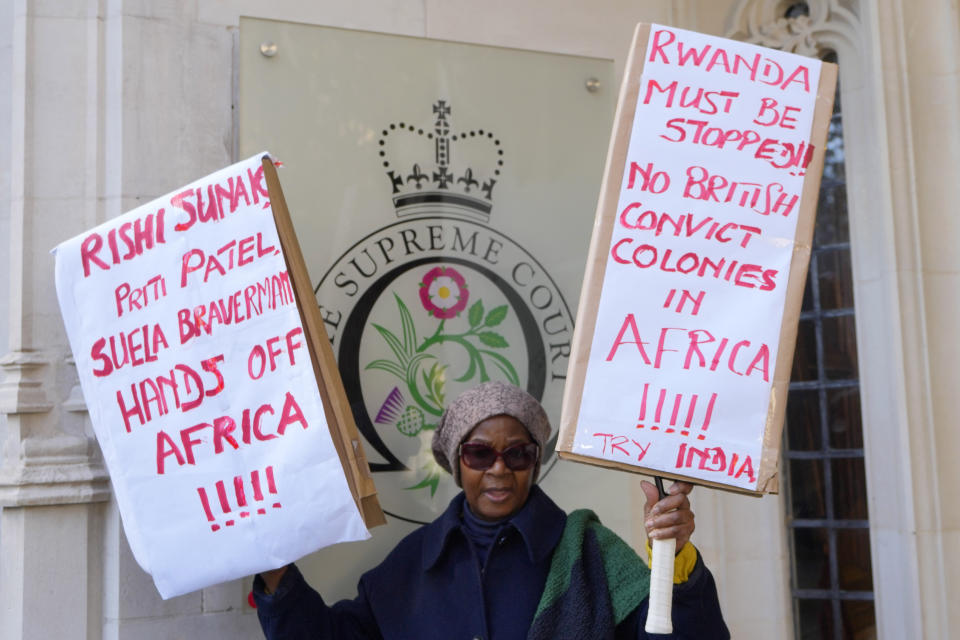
229	596
175	107
942	324
387	16
105	105
41	566
951	583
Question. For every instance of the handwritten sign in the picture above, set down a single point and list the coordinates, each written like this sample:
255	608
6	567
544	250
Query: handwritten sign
197	375
698	259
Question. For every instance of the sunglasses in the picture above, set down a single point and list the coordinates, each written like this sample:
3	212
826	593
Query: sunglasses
518	457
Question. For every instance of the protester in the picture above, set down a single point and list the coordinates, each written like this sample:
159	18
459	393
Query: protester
504	561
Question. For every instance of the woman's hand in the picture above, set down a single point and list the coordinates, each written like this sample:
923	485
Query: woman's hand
670	517
271	578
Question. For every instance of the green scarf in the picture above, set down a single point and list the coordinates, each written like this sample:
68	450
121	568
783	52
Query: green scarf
595	581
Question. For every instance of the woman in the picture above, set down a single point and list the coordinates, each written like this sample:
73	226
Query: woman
503	561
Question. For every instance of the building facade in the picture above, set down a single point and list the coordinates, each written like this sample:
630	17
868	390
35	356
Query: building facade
98	96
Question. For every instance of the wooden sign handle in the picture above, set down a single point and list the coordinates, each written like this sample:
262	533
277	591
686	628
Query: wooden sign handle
343	429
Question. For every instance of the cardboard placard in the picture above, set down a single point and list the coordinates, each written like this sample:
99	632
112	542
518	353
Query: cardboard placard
220	415
685	333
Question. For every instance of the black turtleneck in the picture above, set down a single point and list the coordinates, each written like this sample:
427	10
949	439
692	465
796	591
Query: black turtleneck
482	533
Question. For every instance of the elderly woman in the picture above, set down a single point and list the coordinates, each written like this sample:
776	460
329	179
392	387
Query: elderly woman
503	561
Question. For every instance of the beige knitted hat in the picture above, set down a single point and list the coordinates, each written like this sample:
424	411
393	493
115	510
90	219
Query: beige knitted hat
476	405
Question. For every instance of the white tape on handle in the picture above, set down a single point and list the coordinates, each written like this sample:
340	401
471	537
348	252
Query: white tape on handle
661	587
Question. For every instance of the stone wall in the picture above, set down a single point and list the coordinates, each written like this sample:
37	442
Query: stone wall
98	95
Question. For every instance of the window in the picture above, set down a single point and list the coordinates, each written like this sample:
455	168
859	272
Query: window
824	478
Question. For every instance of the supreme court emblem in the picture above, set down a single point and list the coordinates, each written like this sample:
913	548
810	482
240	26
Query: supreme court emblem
436	301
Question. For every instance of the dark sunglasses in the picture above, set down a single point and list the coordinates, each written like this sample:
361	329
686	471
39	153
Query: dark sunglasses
518	457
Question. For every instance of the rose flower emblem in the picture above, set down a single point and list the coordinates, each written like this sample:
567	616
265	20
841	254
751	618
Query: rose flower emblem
443	292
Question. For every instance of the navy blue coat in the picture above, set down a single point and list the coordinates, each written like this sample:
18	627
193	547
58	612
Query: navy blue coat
431	586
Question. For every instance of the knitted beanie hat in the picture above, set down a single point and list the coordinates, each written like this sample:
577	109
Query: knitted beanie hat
475	405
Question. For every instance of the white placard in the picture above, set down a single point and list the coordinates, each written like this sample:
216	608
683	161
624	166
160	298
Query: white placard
681	365
197	376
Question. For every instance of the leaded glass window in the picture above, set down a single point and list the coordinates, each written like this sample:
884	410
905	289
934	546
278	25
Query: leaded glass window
825	481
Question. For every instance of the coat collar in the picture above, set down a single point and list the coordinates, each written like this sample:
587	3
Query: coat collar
540	524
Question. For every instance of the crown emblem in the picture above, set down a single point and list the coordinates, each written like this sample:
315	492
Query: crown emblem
460	182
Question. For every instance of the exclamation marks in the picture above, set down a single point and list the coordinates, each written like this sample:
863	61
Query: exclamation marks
240	500
689	420
706	420
271	486
224	502
674	408
663	396
206	507
258	492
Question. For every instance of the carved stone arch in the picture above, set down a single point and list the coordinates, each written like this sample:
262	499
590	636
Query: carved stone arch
829	25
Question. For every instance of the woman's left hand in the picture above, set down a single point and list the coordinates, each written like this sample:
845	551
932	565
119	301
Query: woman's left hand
670	517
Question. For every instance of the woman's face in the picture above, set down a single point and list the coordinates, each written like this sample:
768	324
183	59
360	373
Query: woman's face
497	492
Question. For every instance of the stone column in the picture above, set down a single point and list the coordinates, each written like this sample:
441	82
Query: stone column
925	38
52	482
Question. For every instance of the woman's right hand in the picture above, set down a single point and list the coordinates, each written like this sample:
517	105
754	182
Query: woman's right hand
670	517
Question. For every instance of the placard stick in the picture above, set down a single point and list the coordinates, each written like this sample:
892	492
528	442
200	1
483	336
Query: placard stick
343	430
659	619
